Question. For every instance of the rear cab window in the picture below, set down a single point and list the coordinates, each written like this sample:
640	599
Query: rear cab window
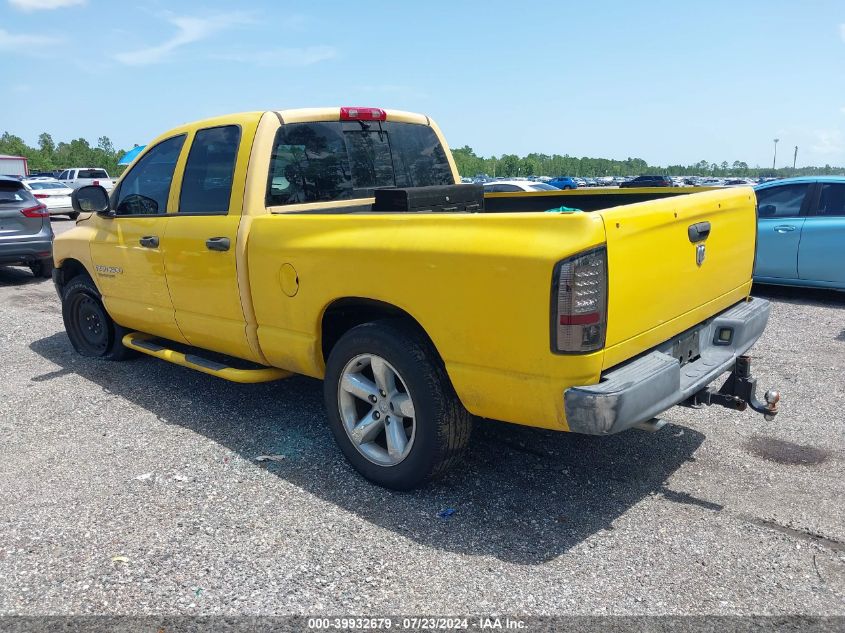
328	161
92	173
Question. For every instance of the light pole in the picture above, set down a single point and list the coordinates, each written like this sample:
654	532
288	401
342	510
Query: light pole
794	158
776	154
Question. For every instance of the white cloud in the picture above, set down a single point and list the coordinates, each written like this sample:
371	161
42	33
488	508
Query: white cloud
38	5
305	56
188	30
828	142
23	42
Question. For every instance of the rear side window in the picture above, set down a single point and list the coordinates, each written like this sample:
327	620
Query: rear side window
832	200
92	173
210	170
322	162
781	202
145	189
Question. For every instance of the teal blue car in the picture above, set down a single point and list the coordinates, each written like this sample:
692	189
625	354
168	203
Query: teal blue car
801	232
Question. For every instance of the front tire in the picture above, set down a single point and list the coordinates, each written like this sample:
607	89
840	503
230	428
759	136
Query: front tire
92	332
391	407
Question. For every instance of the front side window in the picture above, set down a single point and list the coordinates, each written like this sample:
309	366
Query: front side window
832	200
327	161
781	202
145	189
210	170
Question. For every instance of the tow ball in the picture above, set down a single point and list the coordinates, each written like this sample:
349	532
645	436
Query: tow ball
739	392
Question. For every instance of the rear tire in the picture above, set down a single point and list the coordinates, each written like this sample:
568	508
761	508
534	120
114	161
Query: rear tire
42	268
414	426
92	332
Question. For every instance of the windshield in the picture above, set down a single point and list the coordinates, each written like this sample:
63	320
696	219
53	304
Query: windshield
541	186
333	160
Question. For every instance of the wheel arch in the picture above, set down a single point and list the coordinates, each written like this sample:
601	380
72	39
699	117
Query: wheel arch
70	268
345	313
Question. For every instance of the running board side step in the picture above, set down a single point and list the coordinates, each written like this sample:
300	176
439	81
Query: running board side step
149	345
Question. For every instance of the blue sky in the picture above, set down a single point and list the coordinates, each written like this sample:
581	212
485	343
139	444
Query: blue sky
665	81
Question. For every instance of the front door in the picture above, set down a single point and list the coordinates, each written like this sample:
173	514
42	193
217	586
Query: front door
780	220
821	256
201	244
127	248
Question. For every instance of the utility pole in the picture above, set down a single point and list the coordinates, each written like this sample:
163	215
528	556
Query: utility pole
795	158
776	154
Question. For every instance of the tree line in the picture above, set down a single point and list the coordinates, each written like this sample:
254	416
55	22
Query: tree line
49	155
470	164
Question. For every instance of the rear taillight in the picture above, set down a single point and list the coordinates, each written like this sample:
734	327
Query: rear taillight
41	196
579	302
39	211
362	114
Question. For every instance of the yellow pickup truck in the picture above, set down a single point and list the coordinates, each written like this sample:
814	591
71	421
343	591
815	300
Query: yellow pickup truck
337	243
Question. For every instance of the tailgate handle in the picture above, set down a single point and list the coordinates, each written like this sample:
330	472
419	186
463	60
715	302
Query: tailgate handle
698	232
217	243
149	241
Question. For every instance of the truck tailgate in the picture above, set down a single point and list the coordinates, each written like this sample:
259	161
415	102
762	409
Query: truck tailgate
657	287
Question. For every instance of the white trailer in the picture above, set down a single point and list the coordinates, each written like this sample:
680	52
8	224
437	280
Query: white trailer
13	166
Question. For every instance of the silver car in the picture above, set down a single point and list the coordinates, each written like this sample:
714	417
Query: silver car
26	237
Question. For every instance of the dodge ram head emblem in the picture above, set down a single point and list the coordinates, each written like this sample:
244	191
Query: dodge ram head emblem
700	252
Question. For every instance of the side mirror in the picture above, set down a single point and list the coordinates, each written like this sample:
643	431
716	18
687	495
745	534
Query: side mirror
91	199
767	210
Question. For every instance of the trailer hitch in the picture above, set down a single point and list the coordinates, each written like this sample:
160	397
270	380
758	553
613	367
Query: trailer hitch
739	392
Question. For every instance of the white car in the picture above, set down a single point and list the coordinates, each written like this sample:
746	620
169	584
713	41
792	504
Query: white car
52	194
83	176
509	186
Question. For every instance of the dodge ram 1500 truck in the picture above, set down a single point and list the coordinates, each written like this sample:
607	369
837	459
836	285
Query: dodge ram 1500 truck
250	247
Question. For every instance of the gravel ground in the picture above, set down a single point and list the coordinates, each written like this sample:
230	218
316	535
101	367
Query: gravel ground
132	488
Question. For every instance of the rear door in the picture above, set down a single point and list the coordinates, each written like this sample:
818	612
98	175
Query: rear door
780	211
821	253
200	249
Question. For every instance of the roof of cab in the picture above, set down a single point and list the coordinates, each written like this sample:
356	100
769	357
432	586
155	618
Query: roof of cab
293	115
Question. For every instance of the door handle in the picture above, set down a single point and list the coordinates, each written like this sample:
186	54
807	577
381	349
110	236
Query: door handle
784	228
698	232
149	241
217	243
